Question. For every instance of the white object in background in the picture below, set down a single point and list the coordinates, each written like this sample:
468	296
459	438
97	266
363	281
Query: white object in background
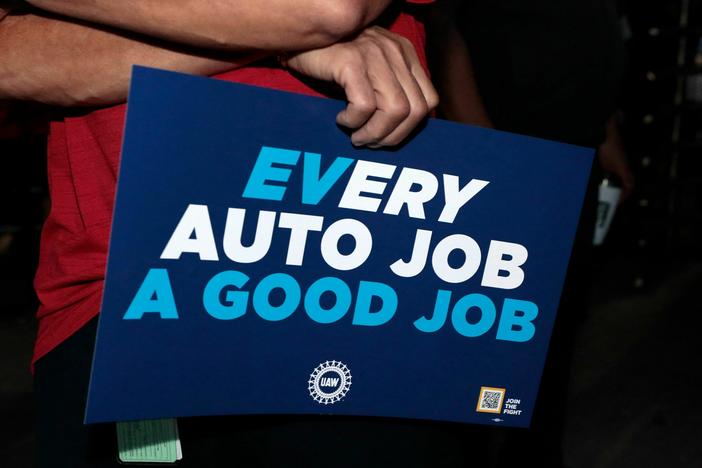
608	199
693	88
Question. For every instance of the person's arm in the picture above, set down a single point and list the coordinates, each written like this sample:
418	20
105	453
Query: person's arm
453	69
612	158
461	100
278	25
70	64
387	89
59	62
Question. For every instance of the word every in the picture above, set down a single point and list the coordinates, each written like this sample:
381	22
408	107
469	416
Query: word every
368	181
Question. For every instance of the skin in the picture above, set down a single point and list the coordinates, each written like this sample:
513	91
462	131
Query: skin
240	25
453	72
71	64
462	101
612	158
387	89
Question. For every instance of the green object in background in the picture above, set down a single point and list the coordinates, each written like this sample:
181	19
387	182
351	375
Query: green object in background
149	441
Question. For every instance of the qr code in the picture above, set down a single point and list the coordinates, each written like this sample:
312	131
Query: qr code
490	400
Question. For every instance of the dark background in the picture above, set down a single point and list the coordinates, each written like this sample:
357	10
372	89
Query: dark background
633	396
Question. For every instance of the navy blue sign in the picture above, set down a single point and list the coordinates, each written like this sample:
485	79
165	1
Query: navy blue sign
259	263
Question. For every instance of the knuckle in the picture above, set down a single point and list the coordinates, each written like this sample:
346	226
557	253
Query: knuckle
400	108
419	110
432	101
394	47
353	63
372	50
376	45
404	42
365	106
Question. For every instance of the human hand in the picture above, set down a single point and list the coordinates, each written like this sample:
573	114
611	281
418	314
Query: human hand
387	89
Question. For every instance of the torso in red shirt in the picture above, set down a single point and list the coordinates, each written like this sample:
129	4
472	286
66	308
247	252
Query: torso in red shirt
83	158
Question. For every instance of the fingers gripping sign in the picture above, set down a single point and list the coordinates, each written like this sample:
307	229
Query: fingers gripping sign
387	89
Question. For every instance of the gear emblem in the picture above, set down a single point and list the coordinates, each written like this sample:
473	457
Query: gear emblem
329	382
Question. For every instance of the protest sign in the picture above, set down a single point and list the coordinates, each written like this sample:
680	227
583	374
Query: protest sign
260	264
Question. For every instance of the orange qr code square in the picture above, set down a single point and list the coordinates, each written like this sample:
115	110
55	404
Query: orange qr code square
490	400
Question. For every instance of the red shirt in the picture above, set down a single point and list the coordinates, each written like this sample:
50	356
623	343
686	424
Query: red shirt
83	161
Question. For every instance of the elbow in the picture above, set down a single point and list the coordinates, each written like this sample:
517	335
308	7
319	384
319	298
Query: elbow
310	24
342	18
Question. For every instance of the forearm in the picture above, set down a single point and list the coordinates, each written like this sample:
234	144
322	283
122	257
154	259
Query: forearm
461	100
273	25
64	63
453	70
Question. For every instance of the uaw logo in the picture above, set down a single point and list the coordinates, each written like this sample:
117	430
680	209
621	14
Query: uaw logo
329	382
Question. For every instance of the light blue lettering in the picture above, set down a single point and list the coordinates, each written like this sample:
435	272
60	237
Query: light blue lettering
314	294
237	300
509	320
362	314
263	171
459	316
155	295
314	186
441	308
261	297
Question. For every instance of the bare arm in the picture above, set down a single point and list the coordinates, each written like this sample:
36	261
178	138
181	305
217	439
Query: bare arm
229	24
457	86
64	63
453	71
612	158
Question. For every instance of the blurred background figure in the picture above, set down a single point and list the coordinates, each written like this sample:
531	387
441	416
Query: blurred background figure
23	205
549	69
557	69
